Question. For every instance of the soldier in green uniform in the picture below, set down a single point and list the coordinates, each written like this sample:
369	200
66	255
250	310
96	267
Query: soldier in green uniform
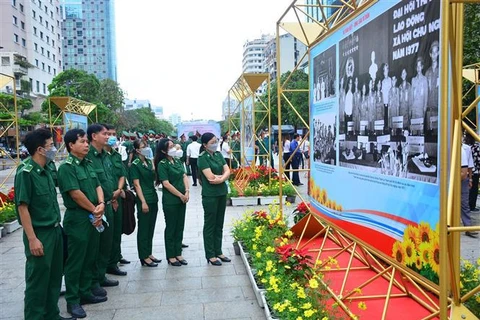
82	196
128	144
118	181
176	192
102	164
236	150
184	144
214	172
143	177
39	214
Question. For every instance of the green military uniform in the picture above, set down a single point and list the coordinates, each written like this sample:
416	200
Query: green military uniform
146	221
34	186
153	145
129	149
262	151
118	172
83	238
184	146
53	170
173	207
236	152
214	201
103	167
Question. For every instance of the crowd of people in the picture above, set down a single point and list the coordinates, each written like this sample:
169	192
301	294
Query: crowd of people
95	181
470	173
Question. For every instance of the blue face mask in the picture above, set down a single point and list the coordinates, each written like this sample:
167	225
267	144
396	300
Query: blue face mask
112	141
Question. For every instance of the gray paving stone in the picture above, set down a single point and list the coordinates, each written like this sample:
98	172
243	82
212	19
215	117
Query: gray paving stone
224	281
193	312
232	310
188	297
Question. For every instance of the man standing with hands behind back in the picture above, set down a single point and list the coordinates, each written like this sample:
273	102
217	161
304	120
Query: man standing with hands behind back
39	214
82	196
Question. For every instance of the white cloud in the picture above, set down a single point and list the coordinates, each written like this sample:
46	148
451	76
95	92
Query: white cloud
186	55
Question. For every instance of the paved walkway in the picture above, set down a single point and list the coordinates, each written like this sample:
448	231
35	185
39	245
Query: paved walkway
197	291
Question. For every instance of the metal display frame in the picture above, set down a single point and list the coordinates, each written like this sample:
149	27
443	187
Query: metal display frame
312	227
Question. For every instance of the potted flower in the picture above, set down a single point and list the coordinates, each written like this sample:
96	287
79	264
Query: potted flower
300	211
290	192
8	214
469	280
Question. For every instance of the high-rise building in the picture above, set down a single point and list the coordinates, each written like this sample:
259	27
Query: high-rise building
229	107
291	52
136	104
315	13
253	55
89	37
31	32
175	119
158	110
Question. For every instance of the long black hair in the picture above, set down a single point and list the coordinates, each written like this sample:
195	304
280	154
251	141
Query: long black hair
207	136
162	145
224	139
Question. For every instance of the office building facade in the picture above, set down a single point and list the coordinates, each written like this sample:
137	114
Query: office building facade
89	37
291	53
253	54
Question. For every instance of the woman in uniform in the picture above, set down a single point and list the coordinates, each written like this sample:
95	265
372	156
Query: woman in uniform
142	173
176	191
214	172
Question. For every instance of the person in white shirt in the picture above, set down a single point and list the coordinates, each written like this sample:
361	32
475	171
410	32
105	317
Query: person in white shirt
225	150
193	151
286	156
466	178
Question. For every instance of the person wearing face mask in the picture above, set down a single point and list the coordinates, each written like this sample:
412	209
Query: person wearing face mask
214	171
176	191
142	173
39	214
119	174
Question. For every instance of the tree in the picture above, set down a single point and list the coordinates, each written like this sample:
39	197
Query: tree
143	120
7	101
471	49
111	95
298	80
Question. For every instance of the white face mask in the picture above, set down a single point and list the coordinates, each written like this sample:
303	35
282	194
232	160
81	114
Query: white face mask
145	152
172	152
212	147
179	153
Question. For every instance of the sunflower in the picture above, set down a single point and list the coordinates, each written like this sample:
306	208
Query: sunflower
323	196
434	255
424	233
418	263
398	252
411	233
423	251
410	252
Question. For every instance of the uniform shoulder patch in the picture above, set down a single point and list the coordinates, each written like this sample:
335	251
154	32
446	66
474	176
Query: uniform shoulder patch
27	168
69	160
136	161
202	153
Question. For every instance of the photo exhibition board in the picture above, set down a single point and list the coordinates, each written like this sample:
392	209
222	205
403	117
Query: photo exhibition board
374	106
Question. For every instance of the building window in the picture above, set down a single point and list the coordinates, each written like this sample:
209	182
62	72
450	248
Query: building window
70	42
24	42
79	33
43	66
46	9
40	3
46	24
36	63
43	51
53	43
15	37
36	46
80	50
15	20
48	39
38	86
35	30
51	14
34	14
44	88
21	7
49	69
53	30
48	54
80	42
79	25
54	71
5	61
53	57
41	20
22	24
41	35
14	3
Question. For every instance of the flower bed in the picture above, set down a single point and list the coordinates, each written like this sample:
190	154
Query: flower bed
293	286
8	214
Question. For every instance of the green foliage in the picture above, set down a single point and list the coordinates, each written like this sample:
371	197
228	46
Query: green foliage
25	86
142	120
111	95
7	213
471	49
298	80
7	101
470	279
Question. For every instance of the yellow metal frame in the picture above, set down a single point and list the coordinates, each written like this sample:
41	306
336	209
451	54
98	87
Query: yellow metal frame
244	88
71	105
6	124
450	301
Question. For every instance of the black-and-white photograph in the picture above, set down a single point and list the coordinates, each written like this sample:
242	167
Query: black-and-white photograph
388	94
324	71
324	138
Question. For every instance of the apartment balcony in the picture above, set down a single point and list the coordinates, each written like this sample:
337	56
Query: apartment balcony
19	70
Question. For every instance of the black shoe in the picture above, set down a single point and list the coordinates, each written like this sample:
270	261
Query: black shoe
69	318
109	283
99	292
184	245
176	263
62	292
214	263
76	310
124	261
92	300
224	259
471	234
116	271
182	261
156	260
151	264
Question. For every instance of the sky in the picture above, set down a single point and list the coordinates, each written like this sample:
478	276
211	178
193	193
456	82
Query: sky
186	55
